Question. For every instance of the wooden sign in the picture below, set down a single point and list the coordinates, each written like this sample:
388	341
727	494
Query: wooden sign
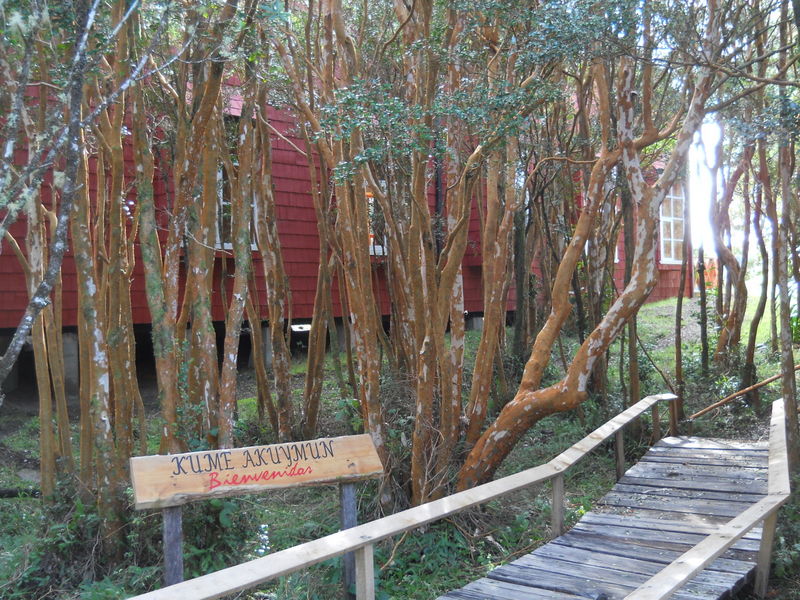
174	479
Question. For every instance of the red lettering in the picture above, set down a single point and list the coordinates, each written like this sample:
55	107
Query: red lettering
256	477
241	479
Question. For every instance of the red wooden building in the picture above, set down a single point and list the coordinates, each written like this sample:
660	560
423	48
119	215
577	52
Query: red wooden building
300	243
296	226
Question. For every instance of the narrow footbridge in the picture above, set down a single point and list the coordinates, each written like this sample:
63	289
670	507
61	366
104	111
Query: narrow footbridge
680	492
693	519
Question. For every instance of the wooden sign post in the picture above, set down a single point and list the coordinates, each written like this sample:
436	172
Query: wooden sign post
167	481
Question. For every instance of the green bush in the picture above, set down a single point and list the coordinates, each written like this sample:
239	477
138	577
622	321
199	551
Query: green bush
786	554
61	555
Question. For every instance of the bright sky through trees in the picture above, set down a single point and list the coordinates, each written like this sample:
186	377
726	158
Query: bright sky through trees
701	158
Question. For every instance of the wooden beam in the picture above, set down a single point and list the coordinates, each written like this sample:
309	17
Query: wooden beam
172	534
727	399
779	478
673	417
779	484
656	424
348	515
765	555
557	511
365	575
619	454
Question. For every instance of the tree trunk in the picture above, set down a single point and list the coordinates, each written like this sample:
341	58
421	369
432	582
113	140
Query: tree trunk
531	403
278	296
701	273
686	268
749	376
736	269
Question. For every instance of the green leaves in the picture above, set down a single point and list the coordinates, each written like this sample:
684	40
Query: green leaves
387	123
390	125
227	510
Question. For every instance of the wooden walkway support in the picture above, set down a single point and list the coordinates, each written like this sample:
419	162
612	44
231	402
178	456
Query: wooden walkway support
682	490
722	499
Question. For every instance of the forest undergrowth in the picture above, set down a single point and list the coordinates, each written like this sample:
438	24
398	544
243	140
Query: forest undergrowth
52	552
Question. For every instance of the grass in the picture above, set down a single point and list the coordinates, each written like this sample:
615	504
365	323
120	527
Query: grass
26	438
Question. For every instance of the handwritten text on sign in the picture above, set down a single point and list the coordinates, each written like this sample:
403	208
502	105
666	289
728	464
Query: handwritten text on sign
169	480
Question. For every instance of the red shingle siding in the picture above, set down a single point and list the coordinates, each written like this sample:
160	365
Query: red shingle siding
297	229
669	276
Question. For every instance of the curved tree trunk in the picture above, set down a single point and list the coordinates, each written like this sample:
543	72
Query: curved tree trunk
531	403
736	269
749	375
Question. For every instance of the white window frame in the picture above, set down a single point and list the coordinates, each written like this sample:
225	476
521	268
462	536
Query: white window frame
222	202
376	247
667	225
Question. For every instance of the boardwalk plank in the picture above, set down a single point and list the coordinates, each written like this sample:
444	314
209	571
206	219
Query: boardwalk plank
627	566
665	525
737	456
710	443
633	549
667	540
698	483
703	462
670	492
703	520
694	506
679	471
548	579
757	449
613	582
487	589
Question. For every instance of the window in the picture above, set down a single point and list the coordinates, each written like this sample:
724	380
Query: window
227	172
672	226
377	246
224	225
224	237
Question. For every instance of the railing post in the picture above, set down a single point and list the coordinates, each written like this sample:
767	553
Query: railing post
557	512
765	554
365	575
348	514
619	453
673	416
778	486
656	422
172	532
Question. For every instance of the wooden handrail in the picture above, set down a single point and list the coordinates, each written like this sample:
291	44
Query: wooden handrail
362	537
664	583
742	392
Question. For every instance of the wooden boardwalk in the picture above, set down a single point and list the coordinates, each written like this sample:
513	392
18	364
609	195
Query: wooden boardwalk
666	530
678	493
